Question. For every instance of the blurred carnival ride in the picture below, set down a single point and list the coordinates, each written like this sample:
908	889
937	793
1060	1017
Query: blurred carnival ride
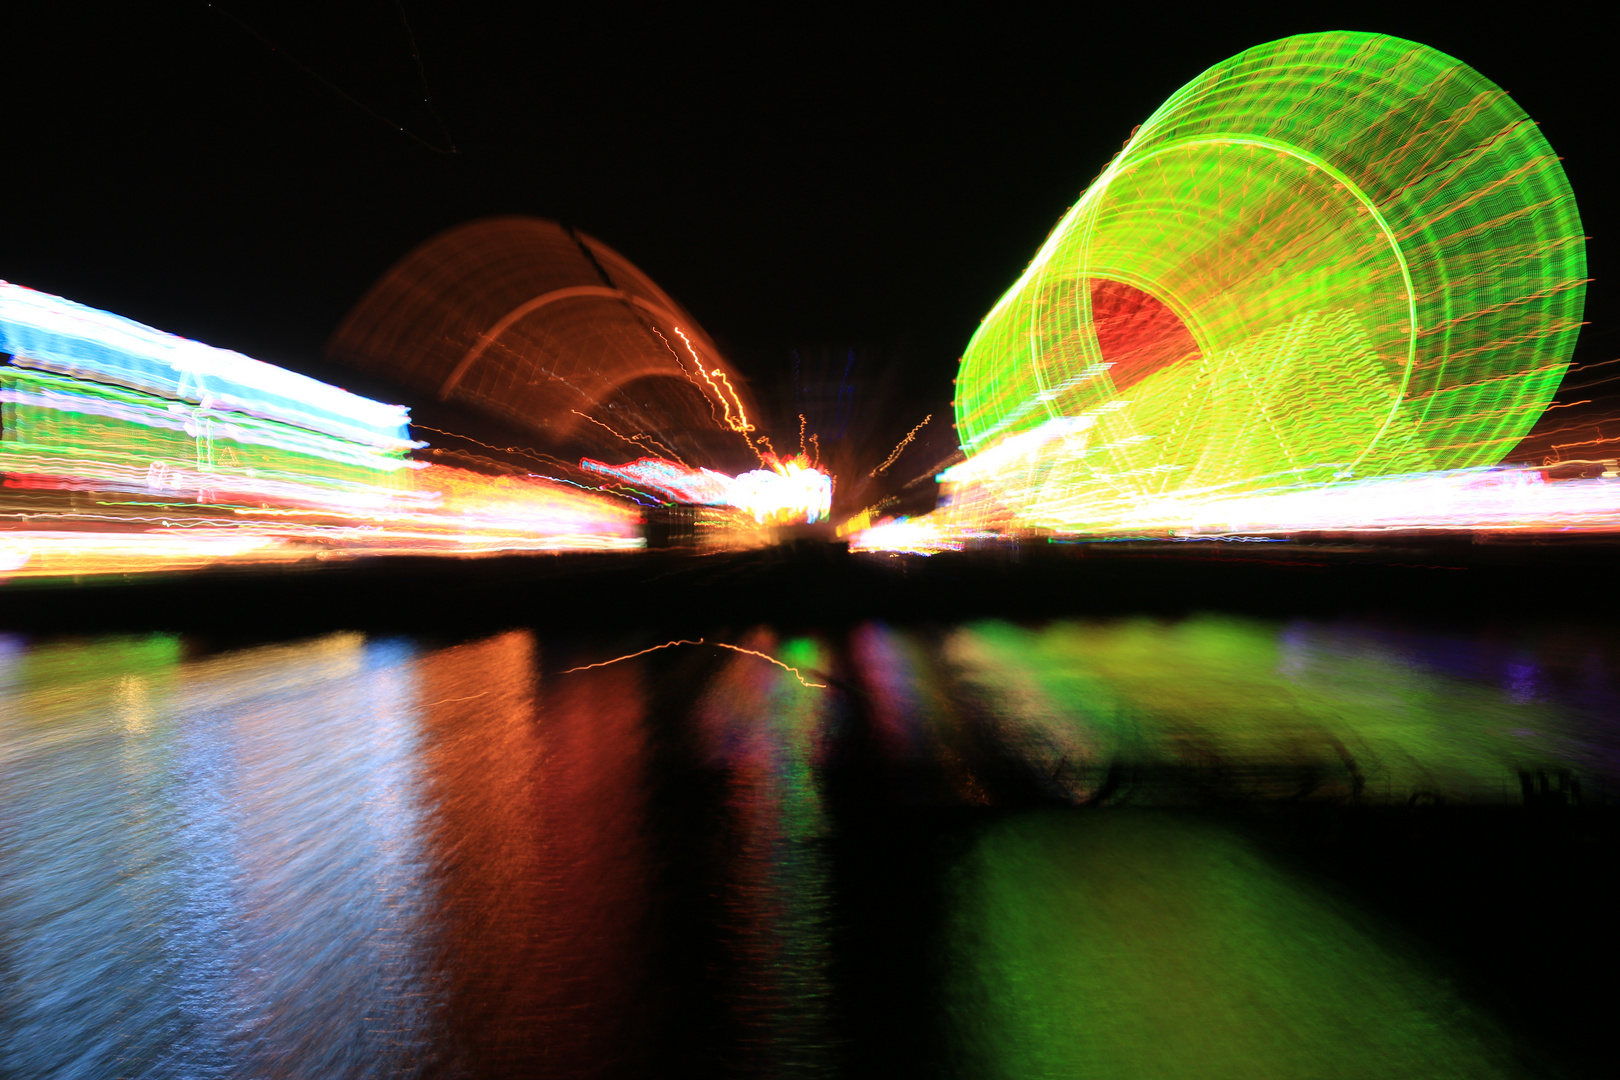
542	335
1328	286
124	448
560	337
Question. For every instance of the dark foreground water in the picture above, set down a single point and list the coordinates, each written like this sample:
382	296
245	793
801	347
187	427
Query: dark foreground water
1201	847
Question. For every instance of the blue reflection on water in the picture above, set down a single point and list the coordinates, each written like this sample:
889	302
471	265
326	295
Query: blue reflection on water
212	868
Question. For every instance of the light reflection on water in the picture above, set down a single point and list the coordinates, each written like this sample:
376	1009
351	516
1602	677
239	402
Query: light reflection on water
214	866
769	736
1259	709
362	857
1146	946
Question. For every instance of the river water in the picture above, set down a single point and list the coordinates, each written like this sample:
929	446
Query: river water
978	850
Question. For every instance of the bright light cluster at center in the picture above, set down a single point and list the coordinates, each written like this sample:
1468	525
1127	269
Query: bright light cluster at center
787	492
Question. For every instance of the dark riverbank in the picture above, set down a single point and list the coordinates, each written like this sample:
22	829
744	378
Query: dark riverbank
1447	579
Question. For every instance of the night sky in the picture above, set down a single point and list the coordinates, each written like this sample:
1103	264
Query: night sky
813	181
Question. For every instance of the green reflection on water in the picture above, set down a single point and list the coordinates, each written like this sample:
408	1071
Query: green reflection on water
1138	944
1210	691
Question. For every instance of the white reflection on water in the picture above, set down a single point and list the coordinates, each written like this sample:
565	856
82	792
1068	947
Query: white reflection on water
212	868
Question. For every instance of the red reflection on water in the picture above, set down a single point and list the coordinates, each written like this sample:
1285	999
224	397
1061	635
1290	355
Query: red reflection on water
539	795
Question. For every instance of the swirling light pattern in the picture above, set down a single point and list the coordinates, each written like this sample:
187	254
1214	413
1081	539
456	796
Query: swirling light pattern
1331	258
123	448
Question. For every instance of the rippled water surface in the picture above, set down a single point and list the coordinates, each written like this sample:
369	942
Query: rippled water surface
982	850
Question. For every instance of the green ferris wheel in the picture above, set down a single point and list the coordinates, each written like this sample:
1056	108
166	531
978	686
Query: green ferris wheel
1335	255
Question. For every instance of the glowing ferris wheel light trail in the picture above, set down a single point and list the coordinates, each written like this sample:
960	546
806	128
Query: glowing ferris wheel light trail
1333	259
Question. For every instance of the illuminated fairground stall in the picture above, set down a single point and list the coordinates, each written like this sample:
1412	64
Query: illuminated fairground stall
124	448
1330	283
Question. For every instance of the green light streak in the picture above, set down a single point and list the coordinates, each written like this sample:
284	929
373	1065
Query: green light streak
90	435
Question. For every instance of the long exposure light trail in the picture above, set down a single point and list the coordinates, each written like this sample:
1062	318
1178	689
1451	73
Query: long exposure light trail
894	455
630	656
125	449
765	656
1323	270
1467	500
789	491
701	641
728	397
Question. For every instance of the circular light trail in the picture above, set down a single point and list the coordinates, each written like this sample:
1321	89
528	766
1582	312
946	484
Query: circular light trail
1336	255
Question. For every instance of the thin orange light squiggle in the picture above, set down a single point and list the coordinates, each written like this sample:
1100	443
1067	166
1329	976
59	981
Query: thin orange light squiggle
737	423
700	641
912	434
630	656
633	440
772	659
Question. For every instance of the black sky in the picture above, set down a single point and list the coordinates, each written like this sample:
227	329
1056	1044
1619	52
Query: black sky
807	177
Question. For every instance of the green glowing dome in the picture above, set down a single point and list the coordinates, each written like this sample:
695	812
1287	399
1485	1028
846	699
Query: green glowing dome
1333	255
